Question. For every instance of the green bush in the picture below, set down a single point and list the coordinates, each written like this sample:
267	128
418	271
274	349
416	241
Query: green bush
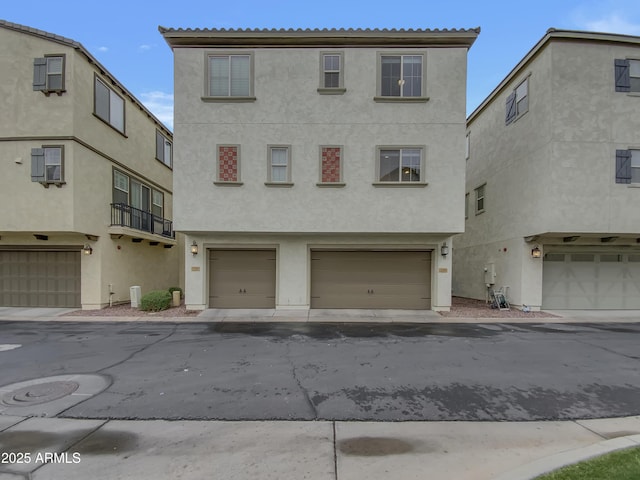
173	289
155	301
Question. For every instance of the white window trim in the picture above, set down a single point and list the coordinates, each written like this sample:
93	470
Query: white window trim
207	97
420	183
163	153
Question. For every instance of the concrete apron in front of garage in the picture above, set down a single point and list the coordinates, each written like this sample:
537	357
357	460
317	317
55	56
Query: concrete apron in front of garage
321	315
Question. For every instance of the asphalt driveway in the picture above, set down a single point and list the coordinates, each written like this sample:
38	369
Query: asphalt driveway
316	371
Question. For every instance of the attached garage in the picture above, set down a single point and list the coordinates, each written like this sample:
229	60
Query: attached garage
40	278
242	278
585	281
371	279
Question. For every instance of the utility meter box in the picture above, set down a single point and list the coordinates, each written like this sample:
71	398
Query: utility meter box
490	274
135	294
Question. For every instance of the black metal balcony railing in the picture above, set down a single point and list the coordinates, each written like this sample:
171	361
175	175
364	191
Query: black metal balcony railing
124	215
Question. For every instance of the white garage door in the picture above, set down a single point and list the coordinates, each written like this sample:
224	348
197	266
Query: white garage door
591	281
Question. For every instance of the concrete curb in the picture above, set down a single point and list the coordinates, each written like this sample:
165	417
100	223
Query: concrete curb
545	465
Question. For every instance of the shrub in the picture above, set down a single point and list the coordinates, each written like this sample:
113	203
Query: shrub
155	301
173	289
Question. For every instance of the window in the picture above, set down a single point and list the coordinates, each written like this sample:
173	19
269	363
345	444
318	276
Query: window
331	166
400	76
331	76
228	161
48	74
628	166
480	199
47	165
467	146
163	149
230	76
109	106
627	75
400	165
279	165
517	102
131	192
466	205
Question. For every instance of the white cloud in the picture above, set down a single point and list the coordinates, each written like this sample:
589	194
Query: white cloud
144	48
103	49
613	23
160	104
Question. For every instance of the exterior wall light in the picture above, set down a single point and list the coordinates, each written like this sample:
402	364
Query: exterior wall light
536	252
194	248
444	249
87	250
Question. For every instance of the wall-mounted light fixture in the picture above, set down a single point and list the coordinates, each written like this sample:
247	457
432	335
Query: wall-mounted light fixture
536	252
194	248
444	249
87	250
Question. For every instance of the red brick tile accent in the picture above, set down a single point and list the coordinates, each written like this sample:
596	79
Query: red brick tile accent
331	159
228	164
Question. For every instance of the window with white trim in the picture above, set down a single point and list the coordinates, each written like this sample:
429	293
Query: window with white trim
109	106
400	165
230	75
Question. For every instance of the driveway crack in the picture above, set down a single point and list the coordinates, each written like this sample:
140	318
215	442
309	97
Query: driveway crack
304	391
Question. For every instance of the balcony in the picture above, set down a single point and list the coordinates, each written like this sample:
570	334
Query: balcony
139	224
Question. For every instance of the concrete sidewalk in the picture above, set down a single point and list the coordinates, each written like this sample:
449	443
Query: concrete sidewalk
60	448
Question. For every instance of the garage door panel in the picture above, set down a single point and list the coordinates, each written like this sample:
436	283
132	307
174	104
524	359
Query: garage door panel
608	281
371	279
242	278
40	278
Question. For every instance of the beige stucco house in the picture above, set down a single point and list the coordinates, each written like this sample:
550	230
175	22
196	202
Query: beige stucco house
319	168
86	187
553	178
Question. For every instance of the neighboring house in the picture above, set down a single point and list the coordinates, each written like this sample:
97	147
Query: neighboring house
553	178
87	168
319	168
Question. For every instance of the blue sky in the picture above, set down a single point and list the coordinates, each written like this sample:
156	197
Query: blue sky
124	37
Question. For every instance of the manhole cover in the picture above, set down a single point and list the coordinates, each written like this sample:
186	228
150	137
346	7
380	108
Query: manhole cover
39	393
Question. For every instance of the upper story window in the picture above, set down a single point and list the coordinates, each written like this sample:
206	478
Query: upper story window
517	102
48	74
230	76
47	165
109	106
164	149
480	199
400	165
331	73
130	191
401	77
628	166
627	75
279	165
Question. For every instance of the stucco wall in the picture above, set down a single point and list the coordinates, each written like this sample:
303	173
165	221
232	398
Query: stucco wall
289	111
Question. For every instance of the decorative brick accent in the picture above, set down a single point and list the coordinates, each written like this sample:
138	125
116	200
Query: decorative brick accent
331	159
228	164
